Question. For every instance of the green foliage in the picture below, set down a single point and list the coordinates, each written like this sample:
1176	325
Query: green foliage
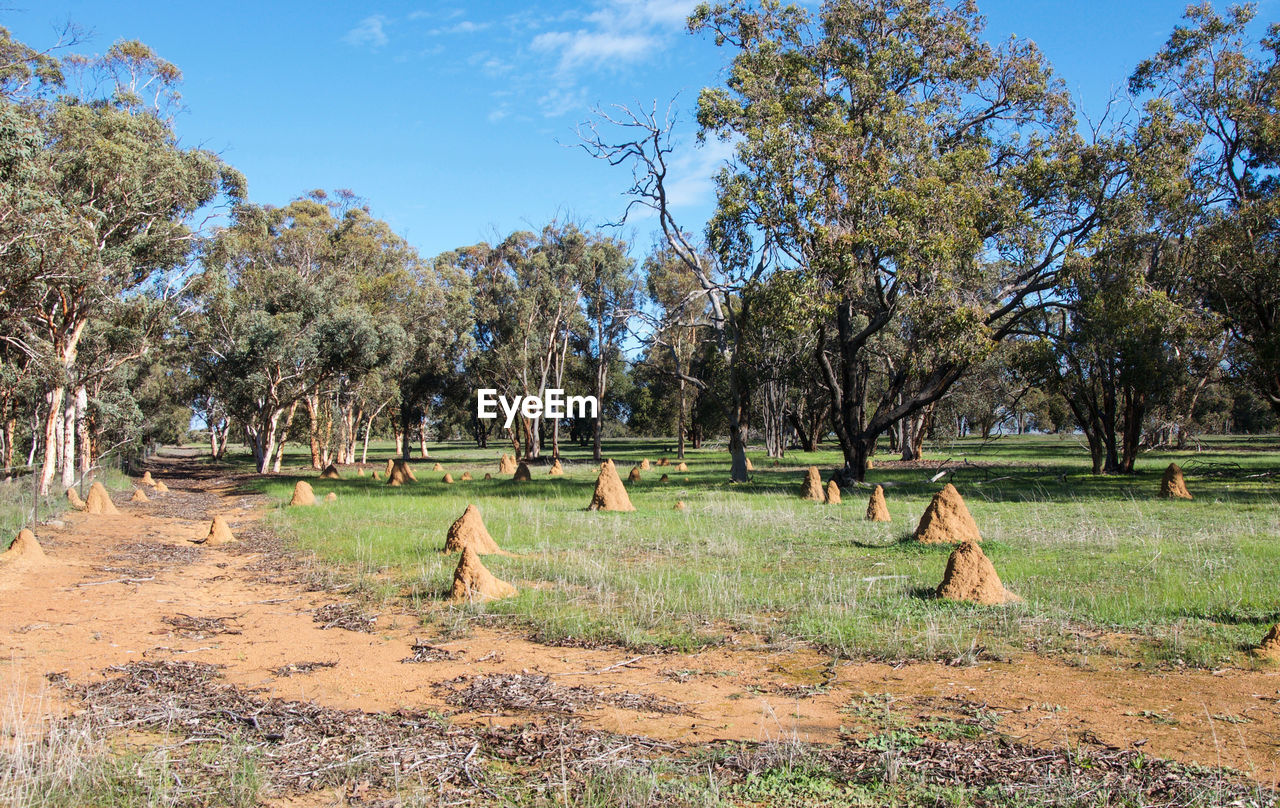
1211	78
904	170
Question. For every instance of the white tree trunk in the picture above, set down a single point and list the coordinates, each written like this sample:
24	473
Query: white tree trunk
82	427
69	456
52	422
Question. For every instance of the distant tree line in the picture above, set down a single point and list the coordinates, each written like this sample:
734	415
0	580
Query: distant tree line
916	238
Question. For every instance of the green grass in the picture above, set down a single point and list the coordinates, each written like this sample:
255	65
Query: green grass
1194	580
18	494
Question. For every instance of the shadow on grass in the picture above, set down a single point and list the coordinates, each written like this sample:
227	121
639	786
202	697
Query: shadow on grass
1236	618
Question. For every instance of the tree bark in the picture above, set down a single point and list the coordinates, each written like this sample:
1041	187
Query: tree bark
313	417
681	425
52	419
87	453
69	456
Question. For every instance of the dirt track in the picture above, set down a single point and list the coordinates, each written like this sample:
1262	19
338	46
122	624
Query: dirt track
119	589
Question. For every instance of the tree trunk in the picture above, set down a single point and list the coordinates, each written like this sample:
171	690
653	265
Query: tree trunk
774	418
87	453
368	430
422	437
52	420
913	428
283	435
1134	413
681	425
313	418
738	452
69	455
35	438
10	433
406	434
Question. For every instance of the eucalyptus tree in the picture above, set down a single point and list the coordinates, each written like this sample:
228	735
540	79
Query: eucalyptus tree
678	327
643	141
119	199
609	292
528	293
1213	75
280	321
435	307
925	183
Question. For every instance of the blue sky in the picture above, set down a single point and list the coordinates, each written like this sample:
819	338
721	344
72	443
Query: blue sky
456	121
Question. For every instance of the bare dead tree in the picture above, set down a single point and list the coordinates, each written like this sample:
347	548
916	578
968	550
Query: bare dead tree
644	143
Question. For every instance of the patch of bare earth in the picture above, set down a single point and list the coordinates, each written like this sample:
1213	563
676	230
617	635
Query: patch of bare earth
147	632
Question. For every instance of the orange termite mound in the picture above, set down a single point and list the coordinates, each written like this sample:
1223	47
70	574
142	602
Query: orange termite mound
330	473
488	476
161	488
971	577
662	461
664	479
556	469
473	582
833	493
437	467
1269	648
468	531
219	533
812	487
360	471
466	475
644	464
74	498
98	502
447	478
522	474
507	465
679	506
374	475
877	508
23	548
682	467
947	520
634	475
146	479
139	496
610	494
749	466
1172	485
302	494
332	496
400	473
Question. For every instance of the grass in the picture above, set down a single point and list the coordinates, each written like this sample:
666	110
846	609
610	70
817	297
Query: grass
1187	583
72	763
18	495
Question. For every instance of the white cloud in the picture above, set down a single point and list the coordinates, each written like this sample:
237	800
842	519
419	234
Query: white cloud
495	67
559	101
621	14
694	171
619	32
463	27
368	32
450	14
594	48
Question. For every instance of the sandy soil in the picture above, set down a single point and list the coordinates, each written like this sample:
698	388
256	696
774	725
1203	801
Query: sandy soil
102	596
